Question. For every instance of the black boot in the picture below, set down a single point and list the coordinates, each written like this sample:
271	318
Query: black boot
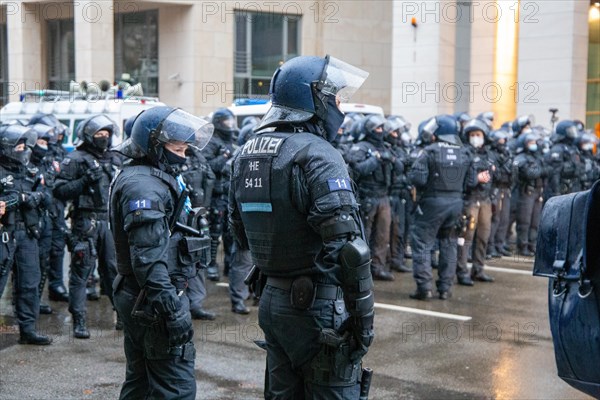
45	309
212	271
58	294
80	330
381	275
34	338
421	295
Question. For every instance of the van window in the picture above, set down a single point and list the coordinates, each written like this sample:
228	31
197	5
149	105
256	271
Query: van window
67	123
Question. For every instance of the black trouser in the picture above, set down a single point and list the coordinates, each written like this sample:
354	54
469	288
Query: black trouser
436	217
500	219
241	264
196	290
529	209
154	370
44	245
57	249
397	231
26	280
219	228
376	215
91	241
479	219
292	347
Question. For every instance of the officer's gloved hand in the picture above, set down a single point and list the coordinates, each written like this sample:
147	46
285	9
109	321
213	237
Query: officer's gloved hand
32	200
93	175
179	328
225	152
363	335
386	156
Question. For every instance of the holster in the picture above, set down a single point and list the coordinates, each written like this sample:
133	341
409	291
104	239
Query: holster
332	365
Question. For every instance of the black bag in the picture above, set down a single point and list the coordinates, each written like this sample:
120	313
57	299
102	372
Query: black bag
568	253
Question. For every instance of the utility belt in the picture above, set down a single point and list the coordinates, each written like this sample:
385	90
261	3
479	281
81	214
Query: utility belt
303	290
129	282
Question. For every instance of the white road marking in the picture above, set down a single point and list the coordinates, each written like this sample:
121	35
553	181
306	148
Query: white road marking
422	312
223	284
509	270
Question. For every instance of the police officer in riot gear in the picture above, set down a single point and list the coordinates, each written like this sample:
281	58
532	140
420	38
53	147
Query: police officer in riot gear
217	153
440	174
47	168
292	204
20	228
502	184
149	212
53	157
529	173
564	160
200	180
477	207
373	164
84	178
585	142
399	194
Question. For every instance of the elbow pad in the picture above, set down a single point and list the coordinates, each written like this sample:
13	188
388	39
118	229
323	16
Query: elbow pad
357	280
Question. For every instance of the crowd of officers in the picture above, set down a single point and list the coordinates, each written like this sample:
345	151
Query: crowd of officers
451	196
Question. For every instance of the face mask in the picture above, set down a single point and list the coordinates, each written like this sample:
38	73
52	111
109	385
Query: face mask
22	157
335	118
532	148
101	143
40	151
476	141
173	159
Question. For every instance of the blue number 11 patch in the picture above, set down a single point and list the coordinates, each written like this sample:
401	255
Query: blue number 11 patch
142	204
339	184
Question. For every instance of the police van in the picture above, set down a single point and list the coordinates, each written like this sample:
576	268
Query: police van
243	108
73	106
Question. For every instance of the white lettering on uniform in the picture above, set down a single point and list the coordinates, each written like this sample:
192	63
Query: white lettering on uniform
262	145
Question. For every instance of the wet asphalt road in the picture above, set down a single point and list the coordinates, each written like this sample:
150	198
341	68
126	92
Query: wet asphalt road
491	342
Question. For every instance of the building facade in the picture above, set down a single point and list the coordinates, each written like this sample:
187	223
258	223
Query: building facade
424	57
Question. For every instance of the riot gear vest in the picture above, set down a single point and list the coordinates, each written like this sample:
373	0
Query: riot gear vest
16	182
155	199
482	161
376	182
199	178
448	165
528	170
278	181
94	196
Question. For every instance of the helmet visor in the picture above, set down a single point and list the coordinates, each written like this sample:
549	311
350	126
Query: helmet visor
431	127
572	131
181	126
342	79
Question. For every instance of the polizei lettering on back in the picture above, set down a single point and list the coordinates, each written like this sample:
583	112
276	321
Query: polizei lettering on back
262	145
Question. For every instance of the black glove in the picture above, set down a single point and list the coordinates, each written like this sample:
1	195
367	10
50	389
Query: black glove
225	152
386	156
362	336
93	175
32	200
179	328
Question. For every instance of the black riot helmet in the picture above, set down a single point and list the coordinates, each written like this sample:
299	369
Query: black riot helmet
397	130
443	127
161	125
13	135
477	125
92	125
519	124
499	138
128	126
305	92
45	132
566	131
46	119
225	123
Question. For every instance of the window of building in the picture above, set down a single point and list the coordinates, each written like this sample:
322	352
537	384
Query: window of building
60	53
136	49
3	65
262	43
